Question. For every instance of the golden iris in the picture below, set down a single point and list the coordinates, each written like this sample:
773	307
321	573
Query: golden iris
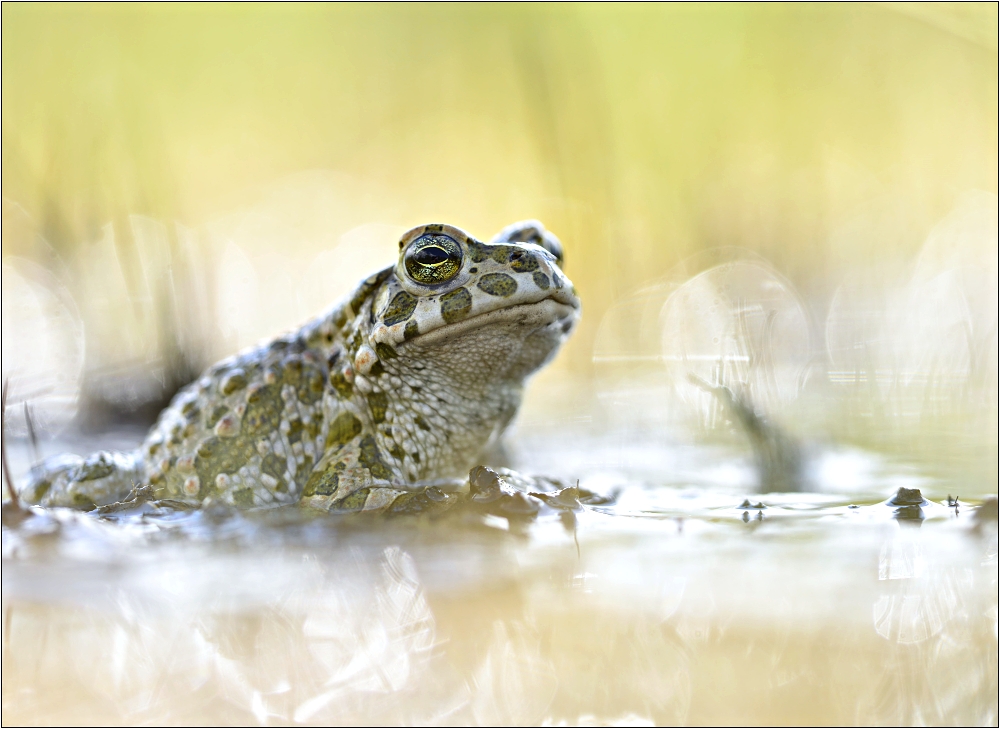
433	259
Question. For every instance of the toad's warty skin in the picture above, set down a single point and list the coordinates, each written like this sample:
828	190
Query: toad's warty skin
409	379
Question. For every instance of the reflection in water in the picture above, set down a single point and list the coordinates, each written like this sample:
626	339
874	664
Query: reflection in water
672	611
735	325
514	684
910	362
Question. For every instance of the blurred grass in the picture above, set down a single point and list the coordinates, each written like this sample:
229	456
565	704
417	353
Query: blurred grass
827	138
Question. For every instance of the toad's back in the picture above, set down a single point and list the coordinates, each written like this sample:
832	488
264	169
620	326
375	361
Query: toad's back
408	380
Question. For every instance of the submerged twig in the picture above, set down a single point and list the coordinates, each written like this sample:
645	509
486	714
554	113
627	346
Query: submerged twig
32	436
778	456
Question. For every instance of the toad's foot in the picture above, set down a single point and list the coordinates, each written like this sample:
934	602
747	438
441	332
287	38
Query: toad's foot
84	483
502	491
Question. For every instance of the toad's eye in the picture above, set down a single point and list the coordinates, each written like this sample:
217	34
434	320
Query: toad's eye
433	259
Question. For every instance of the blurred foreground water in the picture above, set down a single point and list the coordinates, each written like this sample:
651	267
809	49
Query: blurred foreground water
687	599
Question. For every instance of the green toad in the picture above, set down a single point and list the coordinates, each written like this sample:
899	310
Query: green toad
408	380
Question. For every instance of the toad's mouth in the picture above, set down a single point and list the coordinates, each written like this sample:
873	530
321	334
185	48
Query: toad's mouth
524	318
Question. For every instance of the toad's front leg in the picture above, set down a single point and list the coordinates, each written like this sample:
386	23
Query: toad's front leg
84	483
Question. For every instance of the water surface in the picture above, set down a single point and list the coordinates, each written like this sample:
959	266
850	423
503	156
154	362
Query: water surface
690	600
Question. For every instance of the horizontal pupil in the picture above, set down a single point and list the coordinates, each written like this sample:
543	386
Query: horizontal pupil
430	256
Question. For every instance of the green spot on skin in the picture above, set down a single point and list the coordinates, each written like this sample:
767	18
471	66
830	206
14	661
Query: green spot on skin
274	372
83	502
498	284
38	490
378	403
310	388
325	482
371	459
263	412
367	288
209	447
96	466
397	452
478	252
344	428
377	369
294	430
303	471
243	498
321	484
355	501
541	280
253	392
213	417
215	456
292	369
400	308
412	329
340	384
407	504
421	423
235	380
384	351
358	300
274	466
456	305
500	253
522	261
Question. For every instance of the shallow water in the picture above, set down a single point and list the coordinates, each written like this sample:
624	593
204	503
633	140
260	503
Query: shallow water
687	601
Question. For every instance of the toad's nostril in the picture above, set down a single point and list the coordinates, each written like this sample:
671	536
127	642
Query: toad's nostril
523	261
